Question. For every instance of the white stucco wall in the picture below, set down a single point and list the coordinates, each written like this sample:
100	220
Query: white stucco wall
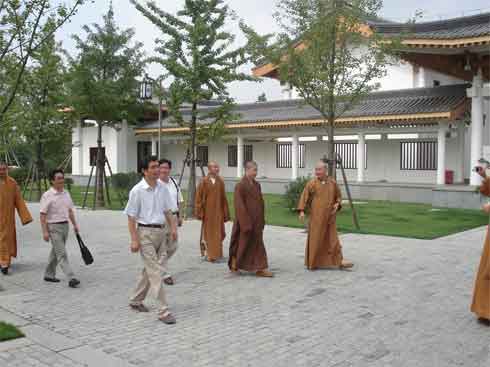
383	161
120	147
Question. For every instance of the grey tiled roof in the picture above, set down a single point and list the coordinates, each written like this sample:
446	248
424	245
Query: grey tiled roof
399	102
463	27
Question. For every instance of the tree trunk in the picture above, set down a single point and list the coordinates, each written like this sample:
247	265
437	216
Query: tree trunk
100	164
38	167
191	191
332	166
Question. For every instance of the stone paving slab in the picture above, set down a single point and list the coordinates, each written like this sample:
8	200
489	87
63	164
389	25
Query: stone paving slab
93	358
406	302
12	318
49	339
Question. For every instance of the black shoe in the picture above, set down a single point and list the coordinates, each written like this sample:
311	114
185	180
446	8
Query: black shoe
5	271
73	283
52	280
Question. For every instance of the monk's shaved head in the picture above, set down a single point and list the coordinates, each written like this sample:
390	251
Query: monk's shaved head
321	169
213	163
251	169
213	168
321	164
250	164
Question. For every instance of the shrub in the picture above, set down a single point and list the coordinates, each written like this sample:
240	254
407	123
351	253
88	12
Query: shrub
19	175
294	189
122	183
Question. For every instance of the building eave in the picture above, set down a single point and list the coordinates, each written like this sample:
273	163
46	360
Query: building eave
340	122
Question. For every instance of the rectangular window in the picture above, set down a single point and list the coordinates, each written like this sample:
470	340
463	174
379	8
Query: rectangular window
233	154
202	155
284	155
418	155
348	155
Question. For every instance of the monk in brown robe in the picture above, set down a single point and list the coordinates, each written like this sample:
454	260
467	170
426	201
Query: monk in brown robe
211	207
247	250
10	199
481	295
322	198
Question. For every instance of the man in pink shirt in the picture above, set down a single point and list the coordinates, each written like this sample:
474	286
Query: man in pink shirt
56	210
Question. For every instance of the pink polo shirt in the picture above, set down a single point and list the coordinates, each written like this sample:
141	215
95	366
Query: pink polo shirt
56	205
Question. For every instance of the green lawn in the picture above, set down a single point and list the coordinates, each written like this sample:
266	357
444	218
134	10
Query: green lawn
375	217
9	332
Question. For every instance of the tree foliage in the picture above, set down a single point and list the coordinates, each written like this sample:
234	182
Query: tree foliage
41	121
22	33
326	52
198	53
104	81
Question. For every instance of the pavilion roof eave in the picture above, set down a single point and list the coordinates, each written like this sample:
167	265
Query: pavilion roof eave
395	119
270	70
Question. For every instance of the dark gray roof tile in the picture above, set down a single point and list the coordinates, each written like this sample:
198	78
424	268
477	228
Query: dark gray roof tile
463	27
407	101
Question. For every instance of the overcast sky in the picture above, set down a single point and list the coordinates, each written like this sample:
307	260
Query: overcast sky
258	14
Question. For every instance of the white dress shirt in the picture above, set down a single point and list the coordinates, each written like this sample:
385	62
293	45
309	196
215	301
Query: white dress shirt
175	194
147	205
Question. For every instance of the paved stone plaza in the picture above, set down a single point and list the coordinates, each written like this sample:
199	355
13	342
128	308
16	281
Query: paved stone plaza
406	303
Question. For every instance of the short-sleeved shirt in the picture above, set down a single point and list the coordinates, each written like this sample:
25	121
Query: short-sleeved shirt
147	205
56	205
175	193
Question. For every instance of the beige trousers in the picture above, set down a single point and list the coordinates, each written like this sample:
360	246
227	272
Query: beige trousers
152	241
58	233
168	250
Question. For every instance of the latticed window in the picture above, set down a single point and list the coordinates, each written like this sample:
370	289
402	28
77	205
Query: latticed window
233	154
348	154
418	155
202	155
284	155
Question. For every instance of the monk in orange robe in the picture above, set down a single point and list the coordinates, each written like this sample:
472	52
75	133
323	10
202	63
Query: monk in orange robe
322	198
481	295
10	199
247	250
211	207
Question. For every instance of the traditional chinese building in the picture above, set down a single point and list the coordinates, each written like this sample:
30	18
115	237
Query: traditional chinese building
415	140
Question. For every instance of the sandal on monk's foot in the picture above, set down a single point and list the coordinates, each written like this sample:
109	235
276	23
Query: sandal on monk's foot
484	321
346	265
167	318
264	274
139	307
169	281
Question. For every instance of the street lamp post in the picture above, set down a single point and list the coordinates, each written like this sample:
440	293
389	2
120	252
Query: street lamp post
146	93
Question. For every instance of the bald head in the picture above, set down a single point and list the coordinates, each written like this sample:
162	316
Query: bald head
251	169
213	168
321	169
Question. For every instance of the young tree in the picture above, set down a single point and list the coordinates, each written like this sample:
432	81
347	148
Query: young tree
22	32
327	53
198	53
104	82
42	96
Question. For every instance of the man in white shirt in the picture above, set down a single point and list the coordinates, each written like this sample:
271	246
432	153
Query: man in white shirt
176	201
149	214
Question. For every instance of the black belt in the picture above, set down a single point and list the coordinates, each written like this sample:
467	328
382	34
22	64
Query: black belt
65	222
161	226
